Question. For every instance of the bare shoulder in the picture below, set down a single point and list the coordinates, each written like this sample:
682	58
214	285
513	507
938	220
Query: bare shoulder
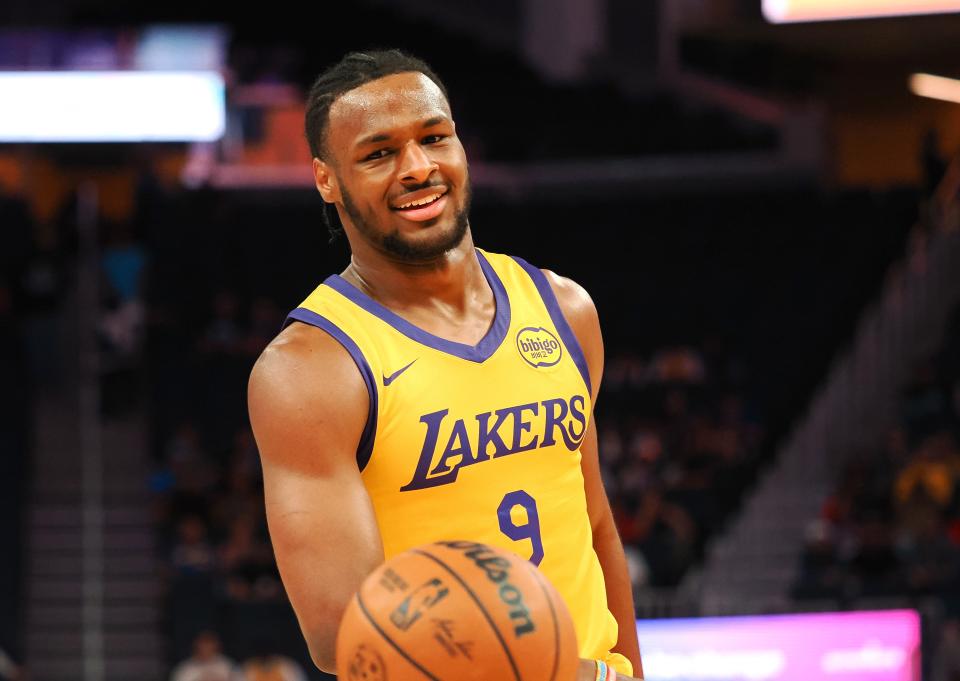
581	314
577	305
303	361
305	384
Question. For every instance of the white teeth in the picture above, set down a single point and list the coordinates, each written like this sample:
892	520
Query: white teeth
421	202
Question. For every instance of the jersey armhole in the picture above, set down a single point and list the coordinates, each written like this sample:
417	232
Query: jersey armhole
365	447
559	321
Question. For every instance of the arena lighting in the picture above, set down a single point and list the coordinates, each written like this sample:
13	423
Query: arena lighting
111	106
788	11
935	87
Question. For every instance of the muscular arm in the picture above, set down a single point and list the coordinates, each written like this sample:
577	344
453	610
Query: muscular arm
581	314
308	406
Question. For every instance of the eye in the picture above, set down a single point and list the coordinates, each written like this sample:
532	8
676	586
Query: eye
436	138
375	155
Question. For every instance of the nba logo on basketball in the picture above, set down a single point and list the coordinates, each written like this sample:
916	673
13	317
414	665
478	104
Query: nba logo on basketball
538	347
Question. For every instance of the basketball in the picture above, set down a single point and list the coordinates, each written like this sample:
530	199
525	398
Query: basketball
456	611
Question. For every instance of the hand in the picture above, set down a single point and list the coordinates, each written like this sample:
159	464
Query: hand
587	671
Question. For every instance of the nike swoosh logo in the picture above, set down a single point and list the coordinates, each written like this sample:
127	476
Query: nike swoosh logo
387	380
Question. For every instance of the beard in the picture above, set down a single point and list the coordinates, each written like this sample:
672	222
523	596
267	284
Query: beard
403	248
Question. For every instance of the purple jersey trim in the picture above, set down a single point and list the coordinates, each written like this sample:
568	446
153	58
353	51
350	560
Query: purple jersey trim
365	448
475	353
559	321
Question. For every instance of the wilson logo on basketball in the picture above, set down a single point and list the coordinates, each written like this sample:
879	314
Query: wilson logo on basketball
497	570
538	347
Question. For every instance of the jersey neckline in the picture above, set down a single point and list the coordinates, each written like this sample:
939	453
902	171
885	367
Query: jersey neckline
480	352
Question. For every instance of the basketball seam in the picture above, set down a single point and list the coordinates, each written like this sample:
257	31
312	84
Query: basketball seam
483	610
556	625
376	626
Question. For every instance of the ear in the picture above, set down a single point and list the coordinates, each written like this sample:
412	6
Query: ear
326	181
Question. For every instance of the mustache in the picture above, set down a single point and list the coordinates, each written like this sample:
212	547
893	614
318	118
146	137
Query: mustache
425	185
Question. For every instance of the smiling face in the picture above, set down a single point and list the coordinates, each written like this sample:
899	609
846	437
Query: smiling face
392	142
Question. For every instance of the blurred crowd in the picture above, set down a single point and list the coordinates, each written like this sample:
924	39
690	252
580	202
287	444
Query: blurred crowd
678	440
891	526
207	485
207	662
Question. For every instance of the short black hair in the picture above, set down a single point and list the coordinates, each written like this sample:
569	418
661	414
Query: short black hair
352	71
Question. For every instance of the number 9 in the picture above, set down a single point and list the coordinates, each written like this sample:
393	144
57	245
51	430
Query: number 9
531	530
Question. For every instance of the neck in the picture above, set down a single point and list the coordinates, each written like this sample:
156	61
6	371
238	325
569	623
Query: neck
452	280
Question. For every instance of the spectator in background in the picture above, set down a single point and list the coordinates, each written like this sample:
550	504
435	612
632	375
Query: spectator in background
931	559
187	481
223	369
624	371
241	496
663	532
876	569
223	334
207	663
678	365
123	263
184	446
246	560
193	553
933	472
122	317
266	665
821	574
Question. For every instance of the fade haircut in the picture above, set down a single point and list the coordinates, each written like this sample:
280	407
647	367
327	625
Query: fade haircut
352	71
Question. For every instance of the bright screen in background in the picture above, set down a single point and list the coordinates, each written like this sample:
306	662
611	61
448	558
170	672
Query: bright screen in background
851	646
111	106
785	11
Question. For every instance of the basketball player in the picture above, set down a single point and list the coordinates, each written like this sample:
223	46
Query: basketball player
432	390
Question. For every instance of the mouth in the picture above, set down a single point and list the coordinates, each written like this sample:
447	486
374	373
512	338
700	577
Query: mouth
424	211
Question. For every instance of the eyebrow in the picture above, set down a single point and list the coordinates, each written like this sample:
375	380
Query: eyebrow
383	136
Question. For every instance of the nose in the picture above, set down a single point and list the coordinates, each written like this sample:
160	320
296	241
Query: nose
415	164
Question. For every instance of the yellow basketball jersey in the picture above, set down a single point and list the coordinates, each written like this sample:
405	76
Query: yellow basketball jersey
479	442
